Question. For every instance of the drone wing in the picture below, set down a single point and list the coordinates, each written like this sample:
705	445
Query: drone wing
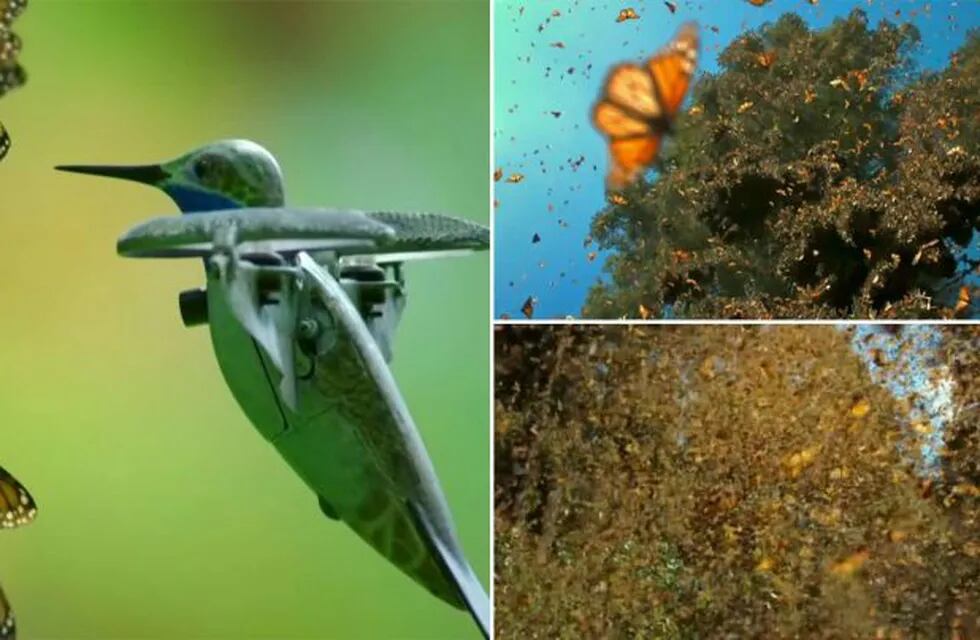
404	515
390	236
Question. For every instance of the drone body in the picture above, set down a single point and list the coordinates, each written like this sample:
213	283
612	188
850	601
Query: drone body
302	306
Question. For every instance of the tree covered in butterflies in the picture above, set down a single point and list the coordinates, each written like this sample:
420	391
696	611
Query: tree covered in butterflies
816	175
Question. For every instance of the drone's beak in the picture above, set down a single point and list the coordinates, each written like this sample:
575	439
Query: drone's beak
152	174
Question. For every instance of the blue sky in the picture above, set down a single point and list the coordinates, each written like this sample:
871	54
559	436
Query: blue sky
910	370
563	159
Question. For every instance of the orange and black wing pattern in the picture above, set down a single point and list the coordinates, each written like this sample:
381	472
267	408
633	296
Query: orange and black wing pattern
17	507
639	104
8	626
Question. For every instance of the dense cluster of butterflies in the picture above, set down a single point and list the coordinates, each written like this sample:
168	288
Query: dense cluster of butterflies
12	74
17	508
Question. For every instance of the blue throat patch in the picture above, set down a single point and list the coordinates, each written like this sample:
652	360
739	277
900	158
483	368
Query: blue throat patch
194	201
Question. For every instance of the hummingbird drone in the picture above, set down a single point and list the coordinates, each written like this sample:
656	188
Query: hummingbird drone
302	306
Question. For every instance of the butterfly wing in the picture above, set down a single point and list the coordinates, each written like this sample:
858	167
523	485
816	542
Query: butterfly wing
17	507
8	628
673	68
631	87
629	156
4	142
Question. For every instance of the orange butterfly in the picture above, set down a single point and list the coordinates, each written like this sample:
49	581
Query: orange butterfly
963	302
627	14
638	105
765	59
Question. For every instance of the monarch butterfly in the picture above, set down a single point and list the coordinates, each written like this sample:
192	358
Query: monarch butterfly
528	307
17	508
963	301
765	59
638	105
627	14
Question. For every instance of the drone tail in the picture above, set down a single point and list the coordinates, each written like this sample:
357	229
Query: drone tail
471	592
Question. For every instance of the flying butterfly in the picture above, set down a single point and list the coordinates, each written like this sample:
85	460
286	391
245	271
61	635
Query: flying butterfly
639	104
17	508
627	14
528	307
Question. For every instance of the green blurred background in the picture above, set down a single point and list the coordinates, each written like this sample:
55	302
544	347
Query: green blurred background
162	513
